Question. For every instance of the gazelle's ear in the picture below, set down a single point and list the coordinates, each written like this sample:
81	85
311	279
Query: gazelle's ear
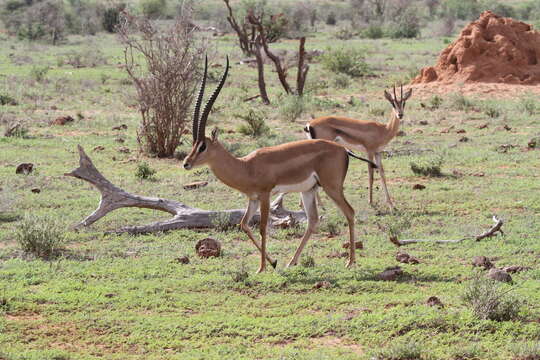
215	132
407	95
388	97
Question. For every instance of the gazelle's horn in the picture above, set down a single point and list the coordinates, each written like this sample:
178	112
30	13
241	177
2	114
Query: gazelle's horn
401	92
395	96
210	103
199	102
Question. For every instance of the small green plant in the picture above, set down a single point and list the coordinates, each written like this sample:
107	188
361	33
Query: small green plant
491	301
376	111
39	73
492	111
471	352
342	81
373	31
6	99
428	167
528	104
40	236
345	60
401	350
435	102
16	130
395	224
104	78
144	171
331	19
221	221
460	102
525	350
154	9
292	107
332	225
307	261
345	33
255	123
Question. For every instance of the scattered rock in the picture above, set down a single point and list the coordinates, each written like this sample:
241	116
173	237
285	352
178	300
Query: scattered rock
482	126
120	140
499	275
337	254
54	108
120	127
434	301
506	127
505	147
36	190
109	295
405	258
482	261
479	174
99	148
418	187
357	245
401	133
418	131
322	285
182	260
457	173
13	129
62	120
534	143
208	248
390	274
124	150
515	268
24	168
447	130
461	131
464	139
423	122
195	185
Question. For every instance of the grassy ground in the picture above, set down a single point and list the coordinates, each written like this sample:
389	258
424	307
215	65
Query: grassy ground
125	297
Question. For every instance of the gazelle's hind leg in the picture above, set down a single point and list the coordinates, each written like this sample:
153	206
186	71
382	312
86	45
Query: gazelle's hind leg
265	211
378	161
370	181
310	206
278	202
244	225
336	194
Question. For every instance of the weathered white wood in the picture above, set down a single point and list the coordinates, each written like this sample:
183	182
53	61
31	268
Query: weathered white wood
112	198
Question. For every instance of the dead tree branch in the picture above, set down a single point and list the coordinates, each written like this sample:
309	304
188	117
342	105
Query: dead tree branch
496	228
112	198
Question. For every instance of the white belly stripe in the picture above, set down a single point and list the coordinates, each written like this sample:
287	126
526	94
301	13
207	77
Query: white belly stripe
358	147
305	185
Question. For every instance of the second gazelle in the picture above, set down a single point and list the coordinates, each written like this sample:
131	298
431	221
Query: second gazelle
300	166
368	136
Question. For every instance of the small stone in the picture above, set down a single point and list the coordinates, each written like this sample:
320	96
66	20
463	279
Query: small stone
62	120
195	185
447	130
405	258
418	187
390	274
479	174
515	268
464	139
357	245
182	260
120	127
99	148
322	285
499	275
418	131
482	261
208	248
457	173
24	168
482	126
124	150
36	190
120	140
506	127
337	254
460	131
423	122
109	295
401	133
434	301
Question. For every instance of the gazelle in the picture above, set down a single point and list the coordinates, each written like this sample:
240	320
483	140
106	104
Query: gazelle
300	166
368	136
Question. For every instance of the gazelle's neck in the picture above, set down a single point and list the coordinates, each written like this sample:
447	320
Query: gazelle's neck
393	124
228	169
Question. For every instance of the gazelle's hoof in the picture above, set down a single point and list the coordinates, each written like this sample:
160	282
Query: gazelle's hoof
350	264
274	263
290	264
261	269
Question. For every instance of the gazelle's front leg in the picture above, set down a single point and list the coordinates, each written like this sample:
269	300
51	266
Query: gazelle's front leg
244	225
265	210
378	161
310	206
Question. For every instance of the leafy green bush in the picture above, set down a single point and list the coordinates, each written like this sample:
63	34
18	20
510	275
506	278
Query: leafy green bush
144	171
528	104
373	31
255	123
40	236
406	26
435	102
492	110
154	9
345	61
331	19
400	350
307	261
428	167
39	73
292	107
6	99
491	301
342	81
525	350
460	102
111	17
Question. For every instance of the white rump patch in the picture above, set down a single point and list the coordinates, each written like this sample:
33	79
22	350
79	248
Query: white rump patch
305	185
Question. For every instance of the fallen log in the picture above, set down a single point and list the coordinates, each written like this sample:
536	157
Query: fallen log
496	228
184	217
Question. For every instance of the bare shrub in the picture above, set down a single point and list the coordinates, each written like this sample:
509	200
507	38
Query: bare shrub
166	83
40	236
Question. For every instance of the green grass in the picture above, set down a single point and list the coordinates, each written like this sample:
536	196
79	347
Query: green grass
125	297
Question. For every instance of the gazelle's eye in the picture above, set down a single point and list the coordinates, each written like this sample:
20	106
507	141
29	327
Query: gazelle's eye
202	147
